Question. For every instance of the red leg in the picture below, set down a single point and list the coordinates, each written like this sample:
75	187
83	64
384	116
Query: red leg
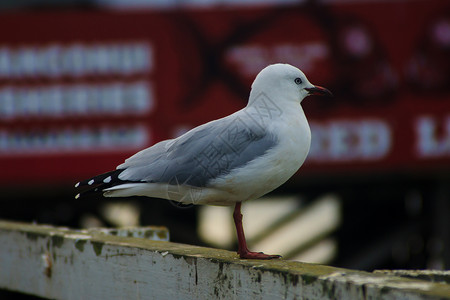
243	250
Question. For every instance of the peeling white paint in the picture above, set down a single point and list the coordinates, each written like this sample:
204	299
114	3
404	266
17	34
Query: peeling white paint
77	237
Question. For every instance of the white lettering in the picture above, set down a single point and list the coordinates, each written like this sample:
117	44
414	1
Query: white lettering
73	100
429	142
75	60
43	142
350	140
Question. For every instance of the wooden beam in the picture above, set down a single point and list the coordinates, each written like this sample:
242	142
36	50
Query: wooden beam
61	263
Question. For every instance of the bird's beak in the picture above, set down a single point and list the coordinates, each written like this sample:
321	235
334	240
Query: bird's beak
319	91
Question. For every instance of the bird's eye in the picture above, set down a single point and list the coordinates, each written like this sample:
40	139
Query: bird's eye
298	80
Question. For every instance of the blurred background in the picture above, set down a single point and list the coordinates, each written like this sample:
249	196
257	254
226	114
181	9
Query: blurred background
86	83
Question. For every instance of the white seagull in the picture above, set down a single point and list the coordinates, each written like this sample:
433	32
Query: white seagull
227	161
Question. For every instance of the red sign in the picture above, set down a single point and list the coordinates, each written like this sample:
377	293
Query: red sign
81	91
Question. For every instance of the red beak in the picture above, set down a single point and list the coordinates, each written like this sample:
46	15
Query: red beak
319	91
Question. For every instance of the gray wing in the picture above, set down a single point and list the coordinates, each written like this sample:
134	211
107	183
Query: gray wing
202	154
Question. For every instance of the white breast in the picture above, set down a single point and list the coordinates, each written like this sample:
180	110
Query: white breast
271	170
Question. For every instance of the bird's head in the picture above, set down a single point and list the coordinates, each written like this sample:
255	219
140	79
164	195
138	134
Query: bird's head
284	82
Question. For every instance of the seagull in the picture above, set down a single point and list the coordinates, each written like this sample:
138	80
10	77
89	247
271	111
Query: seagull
227	161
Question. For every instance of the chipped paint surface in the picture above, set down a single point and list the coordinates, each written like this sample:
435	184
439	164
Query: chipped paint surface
65	264
427	275
382	283
47	264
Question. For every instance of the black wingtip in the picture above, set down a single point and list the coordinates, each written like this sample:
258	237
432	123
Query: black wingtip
105	178
91	191
98	183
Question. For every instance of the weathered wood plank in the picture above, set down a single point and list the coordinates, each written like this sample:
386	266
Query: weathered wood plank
65	264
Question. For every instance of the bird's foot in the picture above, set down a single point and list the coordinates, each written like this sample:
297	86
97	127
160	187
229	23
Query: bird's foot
257	255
